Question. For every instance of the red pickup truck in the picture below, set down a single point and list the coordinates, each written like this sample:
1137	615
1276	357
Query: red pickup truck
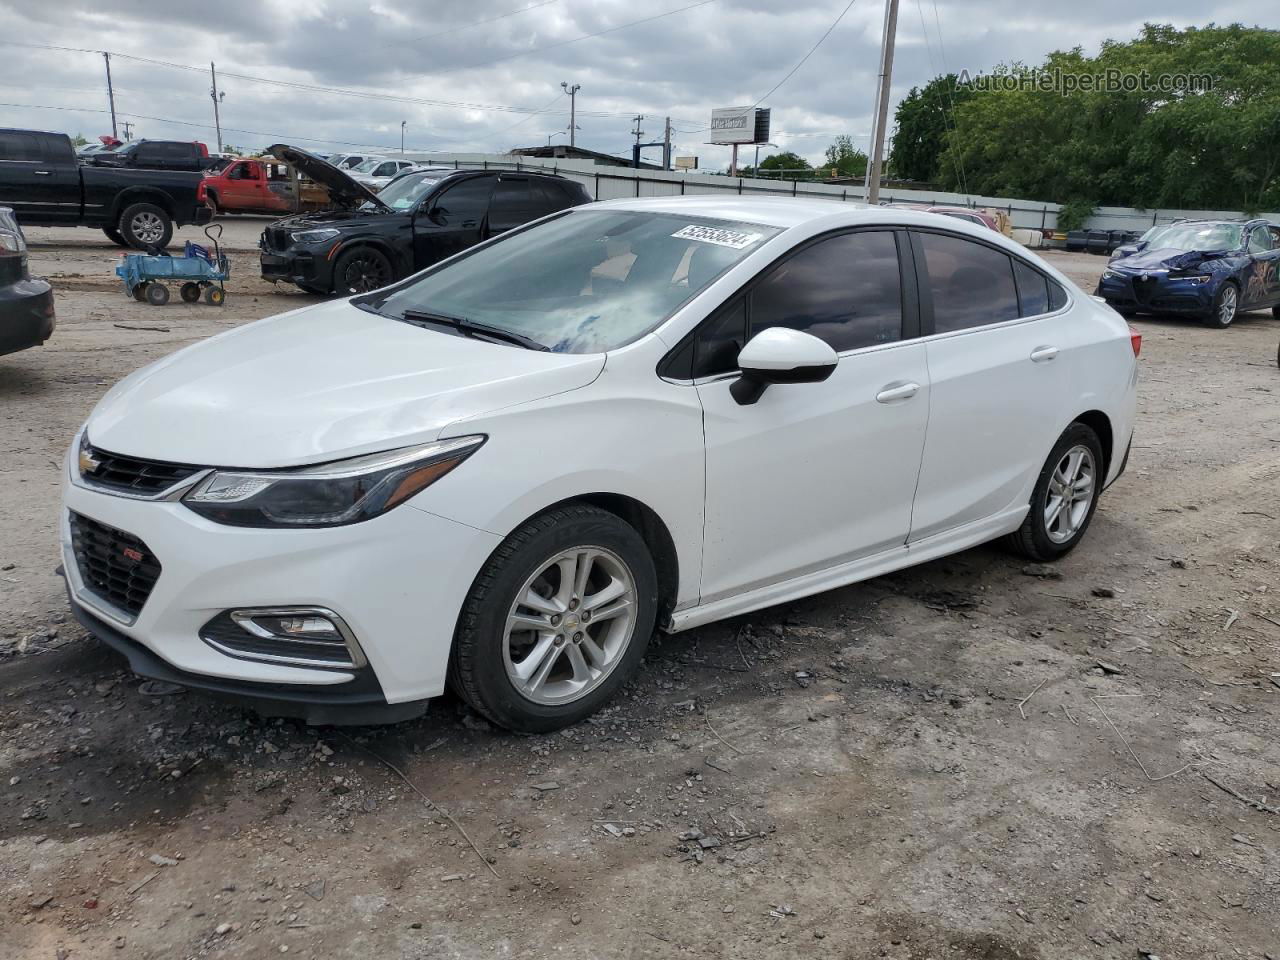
249	186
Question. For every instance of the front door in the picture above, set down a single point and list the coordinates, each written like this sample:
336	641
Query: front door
1262	279
452	220
816	474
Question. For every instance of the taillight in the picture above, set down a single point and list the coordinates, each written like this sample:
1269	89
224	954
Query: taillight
202	192
1135	340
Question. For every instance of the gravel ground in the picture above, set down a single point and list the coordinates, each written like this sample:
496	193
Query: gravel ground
970	759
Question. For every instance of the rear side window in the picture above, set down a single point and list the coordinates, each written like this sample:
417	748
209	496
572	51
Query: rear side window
464	204
1037	294
513	204
20	146
845	290
553	196
970	283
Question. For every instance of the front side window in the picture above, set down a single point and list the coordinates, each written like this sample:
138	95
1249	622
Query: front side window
845	290
585	282
463	204
970	283
1259	240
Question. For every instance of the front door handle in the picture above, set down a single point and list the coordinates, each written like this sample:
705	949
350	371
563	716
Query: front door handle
42	173
1043	354
898	390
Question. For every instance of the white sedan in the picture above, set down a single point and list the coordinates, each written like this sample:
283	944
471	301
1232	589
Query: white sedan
504	472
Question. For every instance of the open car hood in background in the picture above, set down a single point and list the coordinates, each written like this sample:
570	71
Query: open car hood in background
343	191
1169	258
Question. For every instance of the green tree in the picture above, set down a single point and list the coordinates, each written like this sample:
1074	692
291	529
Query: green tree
1216	148
921	123
795	165
79	141
845	159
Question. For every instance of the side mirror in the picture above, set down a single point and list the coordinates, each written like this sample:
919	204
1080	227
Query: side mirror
779	355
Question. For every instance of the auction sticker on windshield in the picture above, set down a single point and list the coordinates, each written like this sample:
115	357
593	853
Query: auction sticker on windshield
722	238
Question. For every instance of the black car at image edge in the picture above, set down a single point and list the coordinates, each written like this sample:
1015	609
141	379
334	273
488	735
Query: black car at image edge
420	218
26	304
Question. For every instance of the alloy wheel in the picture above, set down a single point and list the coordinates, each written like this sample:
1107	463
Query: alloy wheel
1070	495
364	274
147	227
570	625
1227	305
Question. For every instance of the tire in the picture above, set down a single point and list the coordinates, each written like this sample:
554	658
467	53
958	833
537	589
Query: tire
157	294
606	653
360	270
190	292
140	293
1226	304
211	201
144	225
1275	311
1041	541
113	234
215	296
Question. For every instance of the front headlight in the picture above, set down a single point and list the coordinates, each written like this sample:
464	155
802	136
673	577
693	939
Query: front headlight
330	494
1198	278
313	236
1110	275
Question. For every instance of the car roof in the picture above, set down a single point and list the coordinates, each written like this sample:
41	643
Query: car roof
788	212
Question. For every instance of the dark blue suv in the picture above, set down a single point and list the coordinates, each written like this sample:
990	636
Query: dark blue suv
1208	269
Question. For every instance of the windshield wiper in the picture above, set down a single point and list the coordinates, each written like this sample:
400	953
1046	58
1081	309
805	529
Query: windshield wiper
472	328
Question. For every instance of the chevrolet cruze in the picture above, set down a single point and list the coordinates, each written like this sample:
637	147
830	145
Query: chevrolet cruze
503	473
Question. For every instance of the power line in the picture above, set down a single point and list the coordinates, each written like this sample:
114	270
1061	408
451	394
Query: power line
812	50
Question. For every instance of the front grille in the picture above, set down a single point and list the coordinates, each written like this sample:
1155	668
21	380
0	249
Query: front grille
135	475
115	566
225	634
275	239
1142	289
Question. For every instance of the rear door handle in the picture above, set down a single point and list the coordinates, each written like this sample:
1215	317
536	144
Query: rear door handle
42	173
898	390
1043	354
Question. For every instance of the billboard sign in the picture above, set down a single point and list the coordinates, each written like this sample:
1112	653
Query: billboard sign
739	125
686	163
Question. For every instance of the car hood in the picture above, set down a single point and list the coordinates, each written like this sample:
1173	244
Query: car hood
357	219
1168	258
317	384
343	190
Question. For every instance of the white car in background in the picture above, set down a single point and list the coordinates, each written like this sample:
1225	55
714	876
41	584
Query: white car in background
504	471
349	161
377	173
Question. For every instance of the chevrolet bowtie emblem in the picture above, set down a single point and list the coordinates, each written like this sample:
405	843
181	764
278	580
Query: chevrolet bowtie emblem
88	462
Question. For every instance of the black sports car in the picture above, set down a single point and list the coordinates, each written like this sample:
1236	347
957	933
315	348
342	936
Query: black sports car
26	304
1208	269
419	218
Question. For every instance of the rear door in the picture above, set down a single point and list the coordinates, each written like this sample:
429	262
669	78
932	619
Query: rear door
514	203
1000	351
813	475
39	177
453	220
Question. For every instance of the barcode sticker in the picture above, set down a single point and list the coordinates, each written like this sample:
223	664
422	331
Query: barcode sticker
722	238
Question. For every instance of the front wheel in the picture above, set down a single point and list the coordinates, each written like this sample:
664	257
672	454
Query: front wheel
557	620
361	270
1064	498
1225	306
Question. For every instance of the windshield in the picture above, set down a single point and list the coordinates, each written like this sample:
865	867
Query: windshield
1197	236
369	165
403	193
585	282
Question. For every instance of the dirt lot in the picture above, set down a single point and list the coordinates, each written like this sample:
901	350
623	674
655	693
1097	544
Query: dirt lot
928	765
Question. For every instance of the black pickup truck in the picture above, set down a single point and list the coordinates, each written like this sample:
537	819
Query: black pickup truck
46	186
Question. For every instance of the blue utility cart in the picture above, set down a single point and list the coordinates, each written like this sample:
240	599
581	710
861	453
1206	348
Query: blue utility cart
200	272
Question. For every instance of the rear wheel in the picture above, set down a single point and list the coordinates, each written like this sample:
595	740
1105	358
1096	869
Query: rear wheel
140	293
1225	305
215	296
556	621
190	292
144	225
1064	498
360	270
113	234
157	294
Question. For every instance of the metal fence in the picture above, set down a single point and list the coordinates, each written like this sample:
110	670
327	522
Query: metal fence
612	183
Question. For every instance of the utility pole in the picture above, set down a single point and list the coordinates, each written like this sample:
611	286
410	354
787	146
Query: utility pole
128	130
882	105
213	92
666	145
572	91
402	123
637	132
111	94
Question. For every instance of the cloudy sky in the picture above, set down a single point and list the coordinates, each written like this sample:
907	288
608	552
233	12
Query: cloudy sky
484	75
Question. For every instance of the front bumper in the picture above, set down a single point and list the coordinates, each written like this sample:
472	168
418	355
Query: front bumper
26	315
297	266
1159	293
398	581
